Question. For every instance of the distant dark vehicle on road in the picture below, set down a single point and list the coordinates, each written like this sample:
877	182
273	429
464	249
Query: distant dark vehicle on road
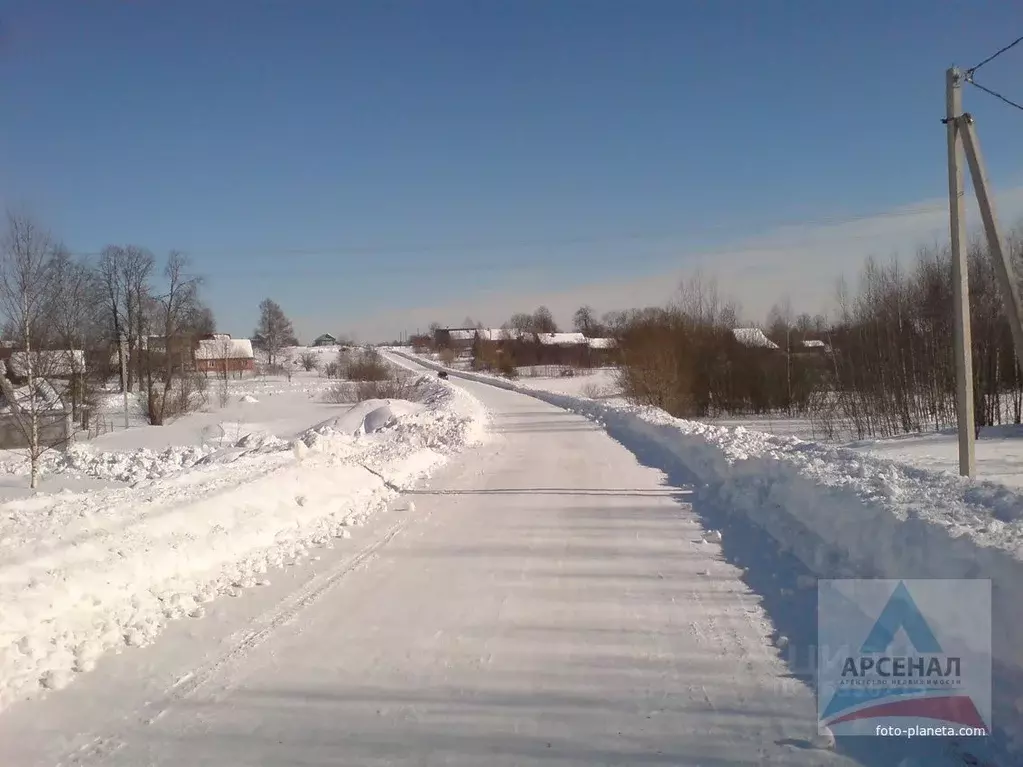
442	374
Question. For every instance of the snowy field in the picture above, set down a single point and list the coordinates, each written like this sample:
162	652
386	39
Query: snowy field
145	525
113	454
878	509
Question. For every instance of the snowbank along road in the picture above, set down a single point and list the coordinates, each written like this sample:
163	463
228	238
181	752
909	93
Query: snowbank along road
545	599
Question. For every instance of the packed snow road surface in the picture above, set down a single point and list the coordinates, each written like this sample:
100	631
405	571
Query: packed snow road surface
546	599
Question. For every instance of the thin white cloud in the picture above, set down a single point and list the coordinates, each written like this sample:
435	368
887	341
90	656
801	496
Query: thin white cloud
801	263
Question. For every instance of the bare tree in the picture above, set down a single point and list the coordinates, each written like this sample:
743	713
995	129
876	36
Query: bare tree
540	321
108	275
309	361
274	331
521	322
225	352
201	321
70	314
136	272
171	312
125	273
26	293
585	321
543	321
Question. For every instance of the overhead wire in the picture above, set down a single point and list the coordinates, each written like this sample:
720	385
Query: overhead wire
995	55
509	245
997	95
968	74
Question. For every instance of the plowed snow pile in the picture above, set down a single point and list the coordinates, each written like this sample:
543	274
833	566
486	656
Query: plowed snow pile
82	574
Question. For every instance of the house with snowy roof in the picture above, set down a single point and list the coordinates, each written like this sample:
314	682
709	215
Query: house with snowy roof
460	340
47	363
500	335
815	346
753	338
220	353
325	340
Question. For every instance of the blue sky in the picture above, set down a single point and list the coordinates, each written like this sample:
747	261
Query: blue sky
361	160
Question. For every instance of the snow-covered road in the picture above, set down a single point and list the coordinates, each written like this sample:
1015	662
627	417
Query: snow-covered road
547	600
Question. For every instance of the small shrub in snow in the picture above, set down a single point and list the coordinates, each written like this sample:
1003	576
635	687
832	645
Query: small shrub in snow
393	388
309	362
369	366
507	368
398	385
187	394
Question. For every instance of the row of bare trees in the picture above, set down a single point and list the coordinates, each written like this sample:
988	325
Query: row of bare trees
68	316
893	366
882	365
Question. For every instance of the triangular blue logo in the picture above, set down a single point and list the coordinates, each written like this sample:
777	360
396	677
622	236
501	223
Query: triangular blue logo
900	612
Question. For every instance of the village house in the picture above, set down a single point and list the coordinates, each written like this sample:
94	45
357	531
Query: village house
602	351
180	347
64	364
815	346
222	354
63	370
325	340
56	386
562	349
504	340
54	419
459	340
753	338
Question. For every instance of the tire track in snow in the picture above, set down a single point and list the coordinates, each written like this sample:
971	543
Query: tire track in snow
99	748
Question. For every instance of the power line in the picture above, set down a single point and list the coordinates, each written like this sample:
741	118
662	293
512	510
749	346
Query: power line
968	74
426	248
417	270
997	95
993	56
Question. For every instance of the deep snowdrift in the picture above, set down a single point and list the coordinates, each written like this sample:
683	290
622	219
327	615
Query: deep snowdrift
844	514
83	574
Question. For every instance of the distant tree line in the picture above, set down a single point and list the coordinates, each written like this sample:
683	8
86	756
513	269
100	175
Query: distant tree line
882	365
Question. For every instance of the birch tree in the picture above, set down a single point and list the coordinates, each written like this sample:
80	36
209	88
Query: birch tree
25	294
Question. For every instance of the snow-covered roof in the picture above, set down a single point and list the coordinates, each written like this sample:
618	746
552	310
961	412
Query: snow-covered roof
561	339
462	335
59	362
812	344
230	348
498	334
602	343
46	398
754	338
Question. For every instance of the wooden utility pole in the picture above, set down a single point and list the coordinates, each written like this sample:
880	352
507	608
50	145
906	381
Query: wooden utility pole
1002	262
962	343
